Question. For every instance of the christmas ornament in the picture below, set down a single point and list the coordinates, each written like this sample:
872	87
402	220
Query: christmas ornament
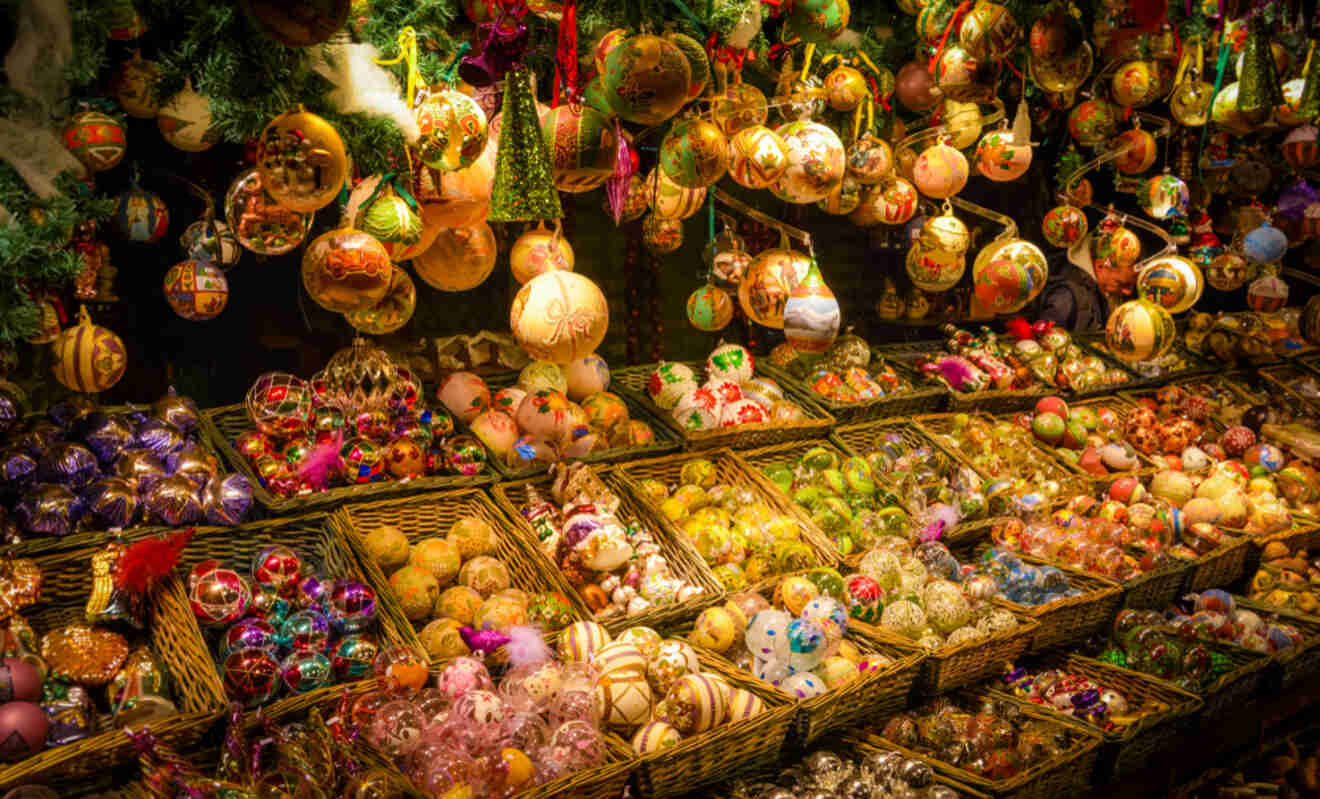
134	86
209	240
940	171
185	121
1190	102
845	88
582	146
1092	122
1065	74
1139	331
1136	84
989	32
757	157
453	130
698	64
1228	272
97	140
141	216
815	162
302	161
1115	243
739	107
524	187
302	24
914	87
844	199
1267	294
956	73
278	404
694	154
1258	82
646	79
559	317
1164	197
538	251
88	358
196	290
346	270
1064	226
1138	151
945	233
667	199
392	312
1000	158
1266	244
1224	111
709	308
962	122
811	314
391	217
1007	274
1300	148
361	378
818	21
768	284
934	270
893	202
1171	282
459	259
869	160
727	257
259	223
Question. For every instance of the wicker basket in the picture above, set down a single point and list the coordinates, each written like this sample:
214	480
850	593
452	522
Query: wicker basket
1221	567
720	754
1301	663
989	401
223	425
923	397
1192	364
1073	618
1234	690
1155	589
1304	534
1279	379
631	382
949	667
1129	749
1057	777
685	563
177	644
937	426
432	515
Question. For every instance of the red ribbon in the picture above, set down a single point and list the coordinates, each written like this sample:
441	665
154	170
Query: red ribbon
566	61
958	14
728	55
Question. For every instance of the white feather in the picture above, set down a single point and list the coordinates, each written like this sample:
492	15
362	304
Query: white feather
363	86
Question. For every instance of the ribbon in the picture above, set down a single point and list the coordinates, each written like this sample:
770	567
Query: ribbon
566	61
392	179
954	21
450	75
408	55
806	62
728	55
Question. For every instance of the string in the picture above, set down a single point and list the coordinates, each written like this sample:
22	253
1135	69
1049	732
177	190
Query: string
806	62
408	54
784	228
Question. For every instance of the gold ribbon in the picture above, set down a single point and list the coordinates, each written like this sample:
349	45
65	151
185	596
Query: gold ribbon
407	53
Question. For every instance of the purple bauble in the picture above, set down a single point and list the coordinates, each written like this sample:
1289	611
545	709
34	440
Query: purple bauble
310	593
174	501
10	411
37	437
351	606
49	509
68	464
194	463
112	502
17	468
23	728
159	437
227	500
177	410
70	411
140	467
106	435
249	633
251	676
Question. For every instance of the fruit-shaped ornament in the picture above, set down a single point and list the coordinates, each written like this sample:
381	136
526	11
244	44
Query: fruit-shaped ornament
845	88
1267	294
259	223
646	79
940	171
141	216
134	86
392	312
815	162
302	161
768	284
870	160
559	317
1007	274
540	250
1139	331
757	157
1136	84
660	235
582	146
667	199
989	32
1164	197
88	358
453	130
391	217
1171	282
185	121
695	153
196	290
459	259
741	106
811	315
709	308
346	270
1064	225
1138	151
97	140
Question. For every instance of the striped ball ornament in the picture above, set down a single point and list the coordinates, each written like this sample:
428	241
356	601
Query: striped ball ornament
619	656
696	703
581	640
654	736
88	357
743	704
644	638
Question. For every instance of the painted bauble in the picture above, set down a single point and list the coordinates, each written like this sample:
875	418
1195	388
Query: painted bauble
845	88
586	376
934	270
870	160
646	79
346	270
464	394
695	153
457	199
497	430
185	121
662	236
141	216
134	87
669	200
989	32
1092	122
893	202
87	357
1170	281
1289	114
1267	294
962	123
940	171
390	218
196	290
559	317
844	199
1139	331
1266	244
1139	151
757	157
811	315
815	162
582	145
1063	75
999	158
741	106
538	251
933	20
1119	246
24	726
1189	104
1224	113
669	382
459	259
769	282
818	21
1064	225
259	223
1300	148
1164	197
914	86
730	362
956	73
1136	84
453	130
97	140
710	308
211	241
607	42
302	161
1007	274
394	309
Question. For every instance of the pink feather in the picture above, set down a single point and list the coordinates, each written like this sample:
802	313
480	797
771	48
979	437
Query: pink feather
526	646
955	371
324	460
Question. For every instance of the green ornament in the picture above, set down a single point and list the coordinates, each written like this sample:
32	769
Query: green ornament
1259	92
524	189
1114	657
1308	107
391	218
1220	664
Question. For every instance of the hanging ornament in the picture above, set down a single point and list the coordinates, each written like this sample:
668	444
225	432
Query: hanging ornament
1308	101
524	189
962	122
740	106
1267	294
1139	151
1007	274
538	251
815	162
709	308
1115	243
302	24
1136	84
97	140
358	379
940	171
346	270
1005	155
698	64
559	317
757	157
934	18
770	280
453	130
392	312
869	160
1139	331
390	217
456	199
259	223
727	257
1190	101
1164	197
88	358
945	233
1228	272
893	202
811	315
845	88
915	87
646	79
48	321
1258	93
667	199
1063	75
1300	148
661	235
302	161
185	121
141	216
1264	245
694	154
123	20
1092	122
933	269
209	240
196	290
989	32
1055	34
607	42
844	199
459	259
818	21
1171	282
956	74
134	86
1224	112
582	146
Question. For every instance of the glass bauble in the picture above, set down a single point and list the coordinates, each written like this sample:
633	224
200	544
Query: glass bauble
453	130
757	157
582	145
695	153
540	250
302	161
459	259
261	224
392	312
815	162
741	106
559	317
646	79
769	282
1171	282
346	270
1139	331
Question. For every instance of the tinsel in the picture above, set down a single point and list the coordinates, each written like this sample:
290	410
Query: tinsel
524	189
1258	86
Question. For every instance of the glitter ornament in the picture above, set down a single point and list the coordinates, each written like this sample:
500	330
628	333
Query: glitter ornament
196	290
709	308
259	223
459	259
523	188
453	130
1266	244
97	140
302	161
1139	331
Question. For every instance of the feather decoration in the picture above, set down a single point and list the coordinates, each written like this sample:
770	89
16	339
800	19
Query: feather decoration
363	86
957	372
149	560
1019	329
321	462
527	646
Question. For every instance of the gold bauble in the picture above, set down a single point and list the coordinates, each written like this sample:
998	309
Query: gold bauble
459	259
989	32
963	122
1136	84
457	199
757	157
844	199
946	233
87	357
346	270
768	283
538	251
667	199
134	87
559	317
185	121
870	160
662	235
845	88
392	312
1063	74
1190	102
646	79
302	161
695	153
741	106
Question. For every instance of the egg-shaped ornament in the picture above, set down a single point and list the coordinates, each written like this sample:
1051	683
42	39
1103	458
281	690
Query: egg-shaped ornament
741	106
259	223
934	270
1224	113
209	240
394	309
1267	294
662	236
757	157
459	259
540	250
1139	331
1064	225
815	162
196	290
869	160
1228	272
88	358
1007	274
559	317
390	218
346	270
940	171
1300	148
1171	282
1000	158
141	216
1164	197
893	202
845	88
1189	104
1266	244
695	153
582	145
811	315
646	79
453	130
185	121
989	31
710	308
97	140
1136	84
667	199
1092	121
769	282
302	161
1138	151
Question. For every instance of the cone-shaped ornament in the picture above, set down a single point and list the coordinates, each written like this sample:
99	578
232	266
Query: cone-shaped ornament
811	315
1308	108
1259	92
524	188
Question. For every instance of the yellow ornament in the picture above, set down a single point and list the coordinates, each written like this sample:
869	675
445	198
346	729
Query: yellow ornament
582	145
134	87
845	88
1224	113
669	200
346	270
302	161
646	79
87	357
757	157
768	283
459	259
989	32
660	235
1065	73
185	121
870	160
392	312
1136	84
962	121
815	162
946	233
559	317
1172	282
742	105
694	154
933	269
844	199
940	171
538	251
1139	331
453	130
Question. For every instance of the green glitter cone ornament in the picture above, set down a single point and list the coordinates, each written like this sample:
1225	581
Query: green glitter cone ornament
524	189
1258	85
